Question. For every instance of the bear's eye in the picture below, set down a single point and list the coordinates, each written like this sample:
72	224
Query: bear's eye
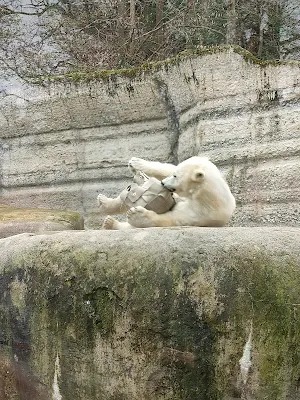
199	175
174	176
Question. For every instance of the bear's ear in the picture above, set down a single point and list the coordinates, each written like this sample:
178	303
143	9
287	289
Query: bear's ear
199	175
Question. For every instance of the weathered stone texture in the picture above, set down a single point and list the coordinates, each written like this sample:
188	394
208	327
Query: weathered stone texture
62	145
19	220
178	314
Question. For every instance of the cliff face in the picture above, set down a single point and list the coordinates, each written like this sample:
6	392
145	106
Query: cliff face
63	144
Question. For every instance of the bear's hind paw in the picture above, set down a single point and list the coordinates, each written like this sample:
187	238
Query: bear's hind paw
101	199
110	223
107	205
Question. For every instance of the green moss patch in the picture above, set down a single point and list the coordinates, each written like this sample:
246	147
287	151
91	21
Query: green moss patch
11	214
149	67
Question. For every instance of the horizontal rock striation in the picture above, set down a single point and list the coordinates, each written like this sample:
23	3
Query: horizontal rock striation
62	144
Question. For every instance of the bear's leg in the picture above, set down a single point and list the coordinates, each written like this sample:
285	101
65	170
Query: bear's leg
110	206
112	224
151	168
142	218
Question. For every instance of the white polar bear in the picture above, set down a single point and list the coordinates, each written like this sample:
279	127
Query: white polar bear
203	197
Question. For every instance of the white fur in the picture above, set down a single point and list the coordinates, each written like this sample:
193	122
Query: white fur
203	196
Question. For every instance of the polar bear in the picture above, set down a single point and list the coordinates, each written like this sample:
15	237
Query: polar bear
203	197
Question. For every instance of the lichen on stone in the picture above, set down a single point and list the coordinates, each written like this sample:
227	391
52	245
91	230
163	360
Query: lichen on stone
154	66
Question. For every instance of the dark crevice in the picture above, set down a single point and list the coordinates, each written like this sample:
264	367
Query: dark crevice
173	120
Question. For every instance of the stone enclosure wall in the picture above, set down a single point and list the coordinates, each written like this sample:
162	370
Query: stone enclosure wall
151	314
196	313
63	143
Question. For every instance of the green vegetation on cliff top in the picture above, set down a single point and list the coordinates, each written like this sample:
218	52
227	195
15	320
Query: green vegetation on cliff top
87	76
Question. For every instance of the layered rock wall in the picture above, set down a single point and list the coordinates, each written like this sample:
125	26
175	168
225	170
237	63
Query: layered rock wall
64	143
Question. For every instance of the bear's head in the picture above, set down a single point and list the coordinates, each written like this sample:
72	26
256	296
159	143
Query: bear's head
192	176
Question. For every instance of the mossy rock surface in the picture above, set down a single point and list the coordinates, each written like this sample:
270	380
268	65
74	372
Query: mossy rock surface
154	66
181	314
19	220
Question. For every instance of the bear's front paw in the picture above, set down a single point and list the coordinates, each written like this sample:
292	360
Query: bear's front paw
110	223
140	217
136	164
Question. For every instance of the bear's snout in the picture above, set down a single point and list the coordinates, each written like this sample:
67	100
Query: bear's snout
168	185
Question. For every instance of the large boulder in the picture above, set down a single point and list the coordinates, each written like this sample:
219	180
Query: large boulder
181	313
19	220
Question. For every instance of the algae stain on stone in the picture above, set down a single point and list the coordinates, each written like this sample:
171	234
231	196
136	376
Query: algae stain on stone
265	295
18	291
103	304
203	291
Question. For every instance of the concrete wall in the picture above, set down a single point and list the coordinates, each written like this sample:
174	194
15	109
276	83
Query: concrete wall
62	144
